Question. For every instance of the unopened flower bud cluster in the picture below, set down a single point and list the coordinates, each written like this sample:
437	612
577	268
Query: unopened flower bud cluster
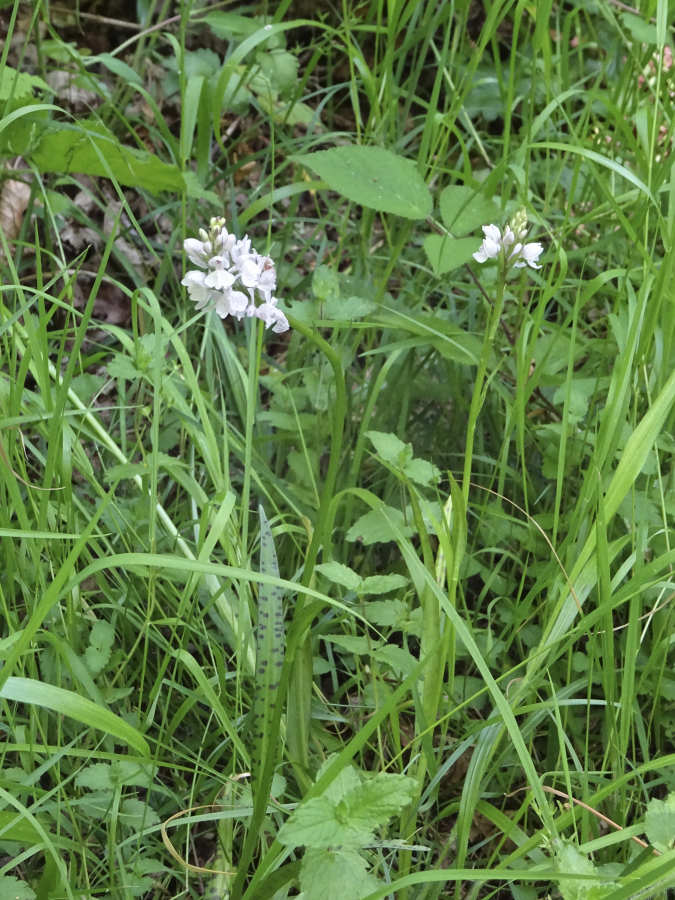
510	244
226	265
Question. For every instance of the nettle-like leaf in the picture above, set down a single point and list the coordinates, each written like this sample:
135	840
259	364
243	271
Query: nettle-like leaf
570	860
382	584
329	874
400	456
375	584
348	820
339	574
660	823
376	526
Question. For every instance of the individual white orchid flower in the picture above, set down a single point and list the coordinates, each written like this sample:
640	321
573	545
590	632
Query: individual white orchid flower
528	255
219	277
198	252
491	245
199	293
270	315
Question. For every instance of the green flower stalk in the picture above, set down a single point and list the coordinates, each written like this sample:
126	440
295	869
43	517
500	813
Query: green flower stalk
508	249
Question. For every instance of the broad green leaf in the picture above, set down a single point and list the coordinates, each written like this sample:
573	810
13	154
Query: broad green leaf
640	31
335	875
463	210
68	703
660	823
339	574
65	148
372	177
446	254
348	308
382	584
391	448
376	526
13	889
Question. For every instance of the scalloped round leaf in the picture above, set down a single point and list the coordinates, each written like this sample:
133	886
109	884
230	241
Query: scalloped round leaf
373	177
447	254
464	210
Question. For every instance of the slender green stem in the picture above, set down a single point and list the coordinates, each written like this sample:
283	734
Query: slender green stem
478	395
254	352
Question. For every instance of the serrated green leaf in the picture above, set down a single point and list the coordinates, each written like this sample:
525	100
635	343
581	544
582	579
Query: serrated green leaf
375	526
377	800
352	644
314	824
339	574
12	888
123	367
396	658
640	31
391	448
660	823
19	85
96	659
569	860
102	635
136	813
372	177
345	781
386	613
464	210
331	874
422	472
447	253
382	584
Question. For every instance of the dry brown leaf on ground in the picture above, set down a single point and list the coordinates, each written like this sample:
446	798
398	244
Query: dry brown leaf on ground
14	198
